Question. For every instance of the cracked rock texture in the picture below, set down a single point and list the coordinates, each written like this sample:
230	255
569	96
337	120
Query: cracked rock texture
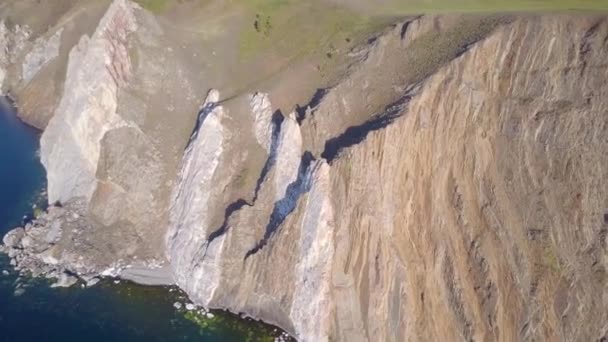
479	212
470	203
450	185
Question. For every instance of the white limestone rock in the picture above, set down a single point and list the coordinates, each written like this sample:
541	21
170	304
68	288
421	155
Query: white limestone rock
43	51
262	111
190	206
65	280
312	306
288	156
98	66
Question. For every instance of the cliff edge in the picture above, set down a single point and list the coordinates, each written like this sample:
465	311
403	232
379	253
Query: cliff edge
446	181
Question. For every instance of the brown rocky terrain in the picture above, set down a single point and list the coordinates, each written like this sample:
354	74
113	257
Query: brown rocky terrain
445	181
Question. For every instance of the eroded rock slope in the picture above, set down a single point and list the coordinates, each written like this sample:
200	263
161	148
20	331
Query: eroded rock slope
449	186
471	205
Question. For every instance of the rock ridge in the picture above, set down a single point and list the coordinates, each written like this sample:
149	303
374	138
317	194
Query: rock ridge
450	184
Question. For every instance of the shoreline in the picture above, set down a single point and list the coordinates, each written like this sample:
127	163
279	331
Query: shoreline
34	265
37	290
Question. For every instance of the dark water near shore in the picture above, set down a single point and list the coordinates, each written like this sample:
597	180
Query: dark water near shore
106	312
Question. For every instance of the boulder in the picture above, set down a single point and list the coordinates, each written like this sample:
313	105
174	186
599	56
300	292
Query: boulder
14	237
65	280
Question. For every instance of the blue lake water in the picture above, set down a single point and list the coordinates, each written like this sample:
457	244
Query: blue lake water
106	312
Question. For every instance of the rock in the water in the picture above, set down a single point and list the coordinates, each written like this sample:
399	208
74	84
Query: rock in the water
92	282
190	307
177	305
65	280
14	237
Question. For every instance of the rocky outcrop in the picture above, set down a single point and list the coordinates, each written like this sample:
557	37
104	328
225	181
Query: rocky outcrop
207	260
263	129
35	41
109	127
71	144
466	215
450	185
41	53
36	247
313	307
189	218
452	218
58	244
13	41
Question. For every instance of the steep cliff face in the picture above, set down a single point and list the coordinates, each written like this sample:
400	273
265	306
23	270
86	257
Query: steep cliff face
36	39
112	146
450	184
13	41
71	144
209	255
468	202
486	218
192	199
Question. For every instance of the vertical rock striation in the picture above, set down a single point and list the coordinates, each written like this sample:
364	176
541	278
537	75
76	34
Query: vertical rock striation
451	185
313	307
212	270
189	218
71	144
477	214
469	196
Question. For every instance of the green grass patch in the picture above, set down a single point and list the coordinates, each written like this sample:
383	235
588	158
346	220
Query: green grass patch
155	6
292	28
38	212
400	7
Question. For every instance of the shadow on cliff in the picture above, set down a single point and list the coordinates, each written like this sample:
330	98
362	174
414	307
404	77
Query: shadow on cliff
356	134
202	115
277	121
287	204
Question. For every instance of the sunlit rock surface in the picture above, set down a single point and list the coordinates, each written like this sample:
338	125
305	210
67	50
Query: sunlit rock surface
451	184
189	220
71	144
